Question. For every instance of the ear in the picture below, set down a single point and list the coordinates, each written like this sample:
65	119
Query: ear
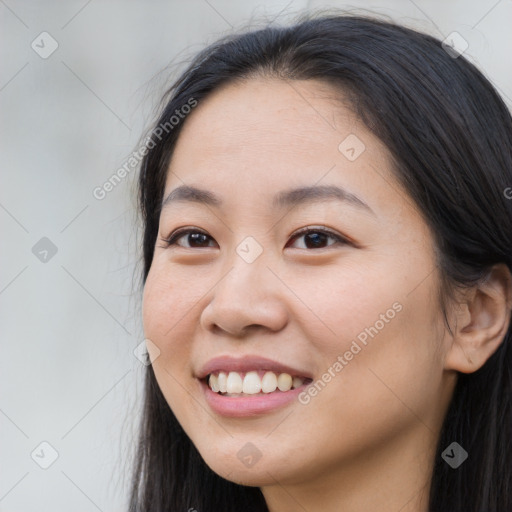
481	322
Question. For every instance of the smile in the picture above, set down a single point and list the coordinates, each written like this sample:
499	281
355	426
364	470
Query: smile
252	383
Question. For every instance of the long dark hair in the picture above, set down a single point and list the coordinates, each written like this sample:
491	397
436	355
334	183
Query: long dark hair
450	136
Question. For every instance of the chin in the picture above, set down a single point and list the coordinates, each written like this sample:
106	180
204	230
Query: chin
261	471
253	477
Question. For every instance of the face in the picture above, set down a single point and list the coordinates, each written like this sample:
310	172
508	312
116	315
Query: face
349	308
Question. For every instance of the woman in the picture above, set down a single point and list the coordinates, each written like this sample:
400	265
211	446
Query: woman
327	289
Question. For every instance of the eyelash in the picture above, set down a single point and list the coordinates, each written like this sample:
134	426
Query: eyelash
179	233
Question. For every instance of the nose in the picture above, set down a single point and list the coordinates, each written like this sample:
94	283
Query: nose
248	297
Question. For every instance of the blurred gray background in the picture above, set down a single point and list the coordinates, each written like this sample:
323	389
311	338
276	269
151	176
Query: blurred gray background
79	81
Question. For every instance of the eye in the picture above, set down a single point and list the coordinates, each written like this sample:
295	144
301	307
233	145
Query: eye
315	238
195	236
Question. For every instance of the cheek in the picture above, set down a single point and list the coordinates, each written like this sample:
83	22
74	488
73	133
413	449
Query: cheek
166	303
347	300
379	355
167	306
389	373
169	298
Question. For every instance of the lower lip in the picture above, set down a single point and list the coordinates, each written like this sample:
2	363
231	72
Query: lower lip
249	405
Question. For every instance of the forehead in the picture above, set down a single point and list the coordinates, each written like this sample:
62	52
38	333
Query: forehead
258	118
258	135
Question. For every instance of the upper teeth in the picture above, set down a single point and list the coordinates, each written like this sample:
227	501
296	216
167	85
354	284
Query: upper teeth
251	383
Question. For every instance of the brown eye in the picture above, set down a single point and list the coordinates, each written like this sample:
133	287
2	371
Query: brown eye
315	238
193	237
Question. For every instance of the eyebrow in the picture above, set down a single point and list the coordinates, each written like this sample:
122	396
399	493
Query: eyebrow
285	198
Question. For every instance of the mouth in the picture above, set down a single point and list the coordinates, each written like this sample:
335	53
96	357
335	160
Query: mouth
251	394
250	385
254	382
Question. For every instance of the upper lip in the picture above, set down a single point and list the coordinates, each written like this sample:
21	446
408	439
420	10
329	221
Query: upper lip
248	363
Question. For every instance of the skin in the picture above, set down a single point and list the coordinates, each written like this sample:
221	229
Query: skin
366	441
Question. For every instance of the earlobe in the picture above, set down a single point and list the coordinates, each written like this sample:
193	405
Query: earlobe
481	322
